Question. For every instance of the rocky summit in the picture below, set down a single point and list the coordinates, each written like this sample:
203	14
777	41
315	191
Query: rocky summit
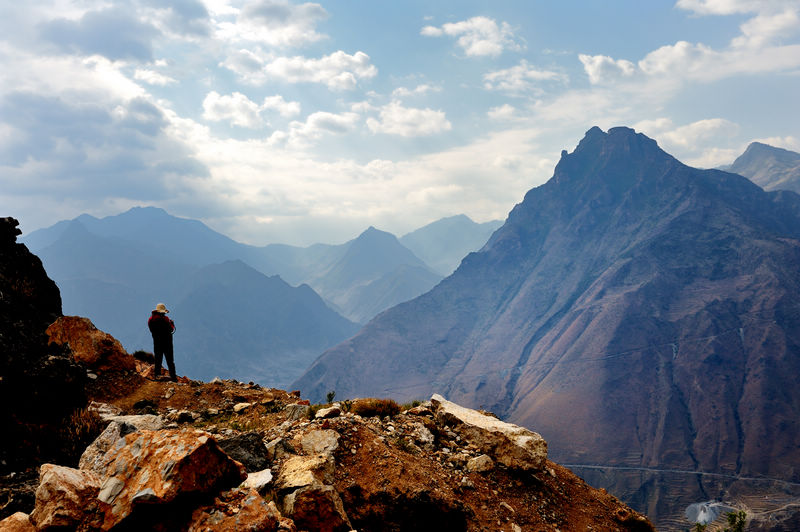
230	456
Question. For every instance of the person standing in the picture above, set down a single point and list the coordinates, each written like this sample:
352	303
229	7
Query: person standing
161	327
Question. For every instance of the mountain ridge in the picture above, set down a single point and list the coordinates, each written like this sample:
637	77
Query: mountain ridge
769	167
588	308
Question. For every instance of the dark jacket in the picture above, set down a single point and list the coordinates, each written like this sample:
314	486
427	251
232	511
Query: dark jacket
161	327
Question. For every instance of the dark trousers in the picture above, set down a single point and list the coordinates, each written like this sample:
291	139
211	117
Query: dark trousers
163	348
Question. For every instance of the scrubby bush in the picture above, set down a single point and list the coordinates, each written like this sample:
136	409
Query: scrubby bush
372	407
413	404
144	356
80	429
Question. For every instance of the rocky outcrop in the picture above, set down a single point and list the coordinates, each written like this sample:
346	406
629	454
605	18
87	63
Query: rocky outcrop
90	346
513	446
66	498
142	475
422	469
43	383
157	467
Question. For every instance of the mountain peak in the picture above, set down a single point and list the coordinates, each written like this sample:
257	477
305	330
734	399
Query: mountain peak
372	236
769	167
618	159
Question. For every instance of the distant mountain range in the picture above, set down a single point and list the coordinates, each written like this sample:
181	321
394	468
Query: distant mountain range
636	312
113	270
769	167
442	244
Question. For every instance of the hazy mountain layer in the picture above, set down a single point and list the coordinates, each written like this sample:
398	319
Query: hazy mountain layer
634	311
233	321
442	244
359	278
769	167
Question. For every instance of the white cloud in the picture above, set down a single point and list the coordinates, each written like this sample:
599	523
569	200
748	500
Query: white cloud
503	112
408	121
316	125
478	36
275	23
721	7
520	79
284	108
152	77
600	68
339	70
235	108
757	49
681	58
403	92
765	28
696	133
698	142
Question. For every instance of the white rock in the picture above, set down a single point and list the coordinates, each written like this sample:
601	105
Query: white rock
320	442
238	407
513	446
258	480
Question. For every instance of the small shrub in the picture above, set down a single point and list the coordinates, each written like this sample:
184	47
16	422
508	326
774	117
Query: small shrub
330	396
372	407
313	409
406	445
80	429
144	356
413	404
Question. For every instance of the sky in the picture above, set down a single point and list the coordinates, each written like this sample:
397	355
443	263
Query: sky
300	122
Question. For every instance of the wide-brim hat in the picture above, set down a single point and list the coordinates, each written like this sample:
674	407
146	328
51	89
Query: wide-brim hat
162	308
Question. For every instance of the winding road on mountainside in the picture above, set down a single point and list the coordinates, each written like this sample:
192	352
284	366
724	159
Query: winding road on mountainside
681	471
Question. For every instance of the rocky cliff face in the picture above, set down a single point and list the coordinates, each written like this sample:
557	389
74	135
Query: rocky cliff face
636	311
43	383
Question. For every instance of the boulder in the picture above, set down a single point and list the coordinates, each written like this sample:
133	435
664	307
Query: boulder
238	407
322	442
156	467
258	480
317	508
511	445
300	471
277	448
90	346
138	422
237	510
94	456
247	448
421	435
18	522
296	411
65	497
480	464
328	413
